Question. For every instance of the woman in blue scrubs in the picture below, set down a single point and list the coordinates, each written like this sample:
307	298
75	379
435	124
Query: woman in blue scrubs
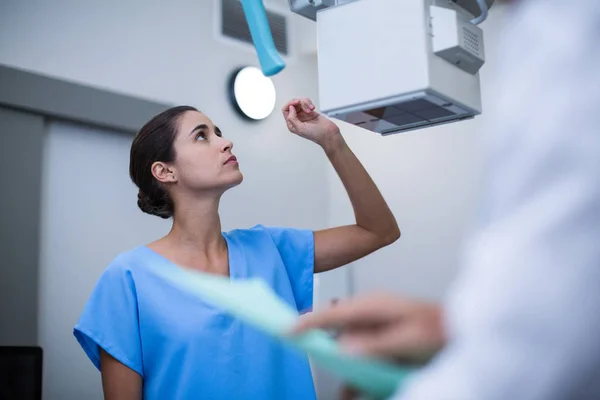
153	341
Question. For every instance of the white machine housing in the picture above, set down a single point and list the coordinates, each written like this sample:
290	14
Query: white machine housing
391	66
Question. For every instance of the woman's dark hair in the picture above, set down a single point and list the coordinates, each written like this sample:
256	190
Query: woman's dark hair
154	142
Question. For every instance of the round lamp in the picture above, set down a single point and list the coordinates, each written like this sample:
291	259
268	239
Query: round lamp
252	93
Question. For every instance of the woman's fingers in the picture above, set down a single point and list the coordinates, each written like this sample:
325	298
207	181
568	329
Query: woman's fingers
286	107
305	105
292	119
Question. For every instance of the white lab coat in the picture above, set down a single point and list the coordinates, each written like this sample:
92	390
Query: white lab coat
524	315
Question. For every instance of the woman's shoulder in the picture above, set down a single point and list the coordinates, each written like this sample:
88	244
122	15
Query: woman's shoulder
280	237
256	232
128	261
251	231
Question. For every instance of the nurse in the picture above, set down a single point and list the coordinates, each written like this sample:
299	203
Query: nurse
153	341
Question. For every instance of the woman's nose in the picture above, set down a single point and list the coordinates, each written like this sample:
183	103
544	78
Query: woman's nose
227	145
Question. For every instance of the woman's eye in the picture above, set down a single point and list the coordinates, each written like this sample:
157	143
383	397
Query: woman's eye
200	136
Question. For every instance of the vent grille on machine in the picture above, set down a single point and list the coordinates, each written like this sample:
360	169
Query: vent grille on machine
234	25
406	115
471	41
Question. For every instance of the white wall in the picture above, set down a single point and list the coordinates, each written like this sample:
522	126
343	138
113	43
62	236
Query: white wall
88	216
430	178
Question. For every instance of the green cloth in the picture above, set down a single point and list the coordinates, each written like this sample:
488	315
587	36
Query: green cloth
255	303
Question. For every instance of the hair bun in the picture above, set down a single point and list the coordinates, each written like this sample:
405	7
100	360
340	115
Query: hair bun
159	205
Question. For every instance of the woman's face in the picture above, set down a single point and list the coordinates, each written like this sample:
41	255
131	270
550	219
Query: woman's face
203	158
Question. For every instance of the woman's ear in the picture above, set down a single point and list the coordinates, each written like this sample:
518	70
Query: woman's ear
163	172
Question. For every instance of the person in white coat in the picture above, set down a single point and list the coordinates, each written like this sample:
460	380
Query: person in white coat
522	320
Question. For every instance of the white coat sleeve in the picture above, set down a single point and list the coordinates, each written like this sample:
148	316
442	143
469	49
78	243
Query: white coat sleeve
523	316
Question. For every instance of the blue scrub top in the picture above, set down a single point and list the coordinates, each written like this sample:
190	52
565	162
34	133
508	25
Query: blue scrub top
185	348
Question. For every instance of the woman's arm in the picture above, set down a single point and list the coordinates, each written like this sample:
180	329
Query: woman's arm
118	381
375	225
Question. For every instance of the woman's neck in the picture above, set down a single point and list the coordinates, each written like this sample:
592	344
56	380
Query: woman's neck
198	227
196	240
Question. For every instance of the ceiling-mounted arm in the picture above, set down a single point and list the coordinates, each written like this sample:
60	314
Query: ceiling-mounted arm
309	8
271	62
477	8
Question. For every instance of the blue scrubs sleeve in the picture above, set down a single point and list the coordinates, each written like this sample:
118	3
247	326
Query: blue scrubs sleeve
110	320
297	250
